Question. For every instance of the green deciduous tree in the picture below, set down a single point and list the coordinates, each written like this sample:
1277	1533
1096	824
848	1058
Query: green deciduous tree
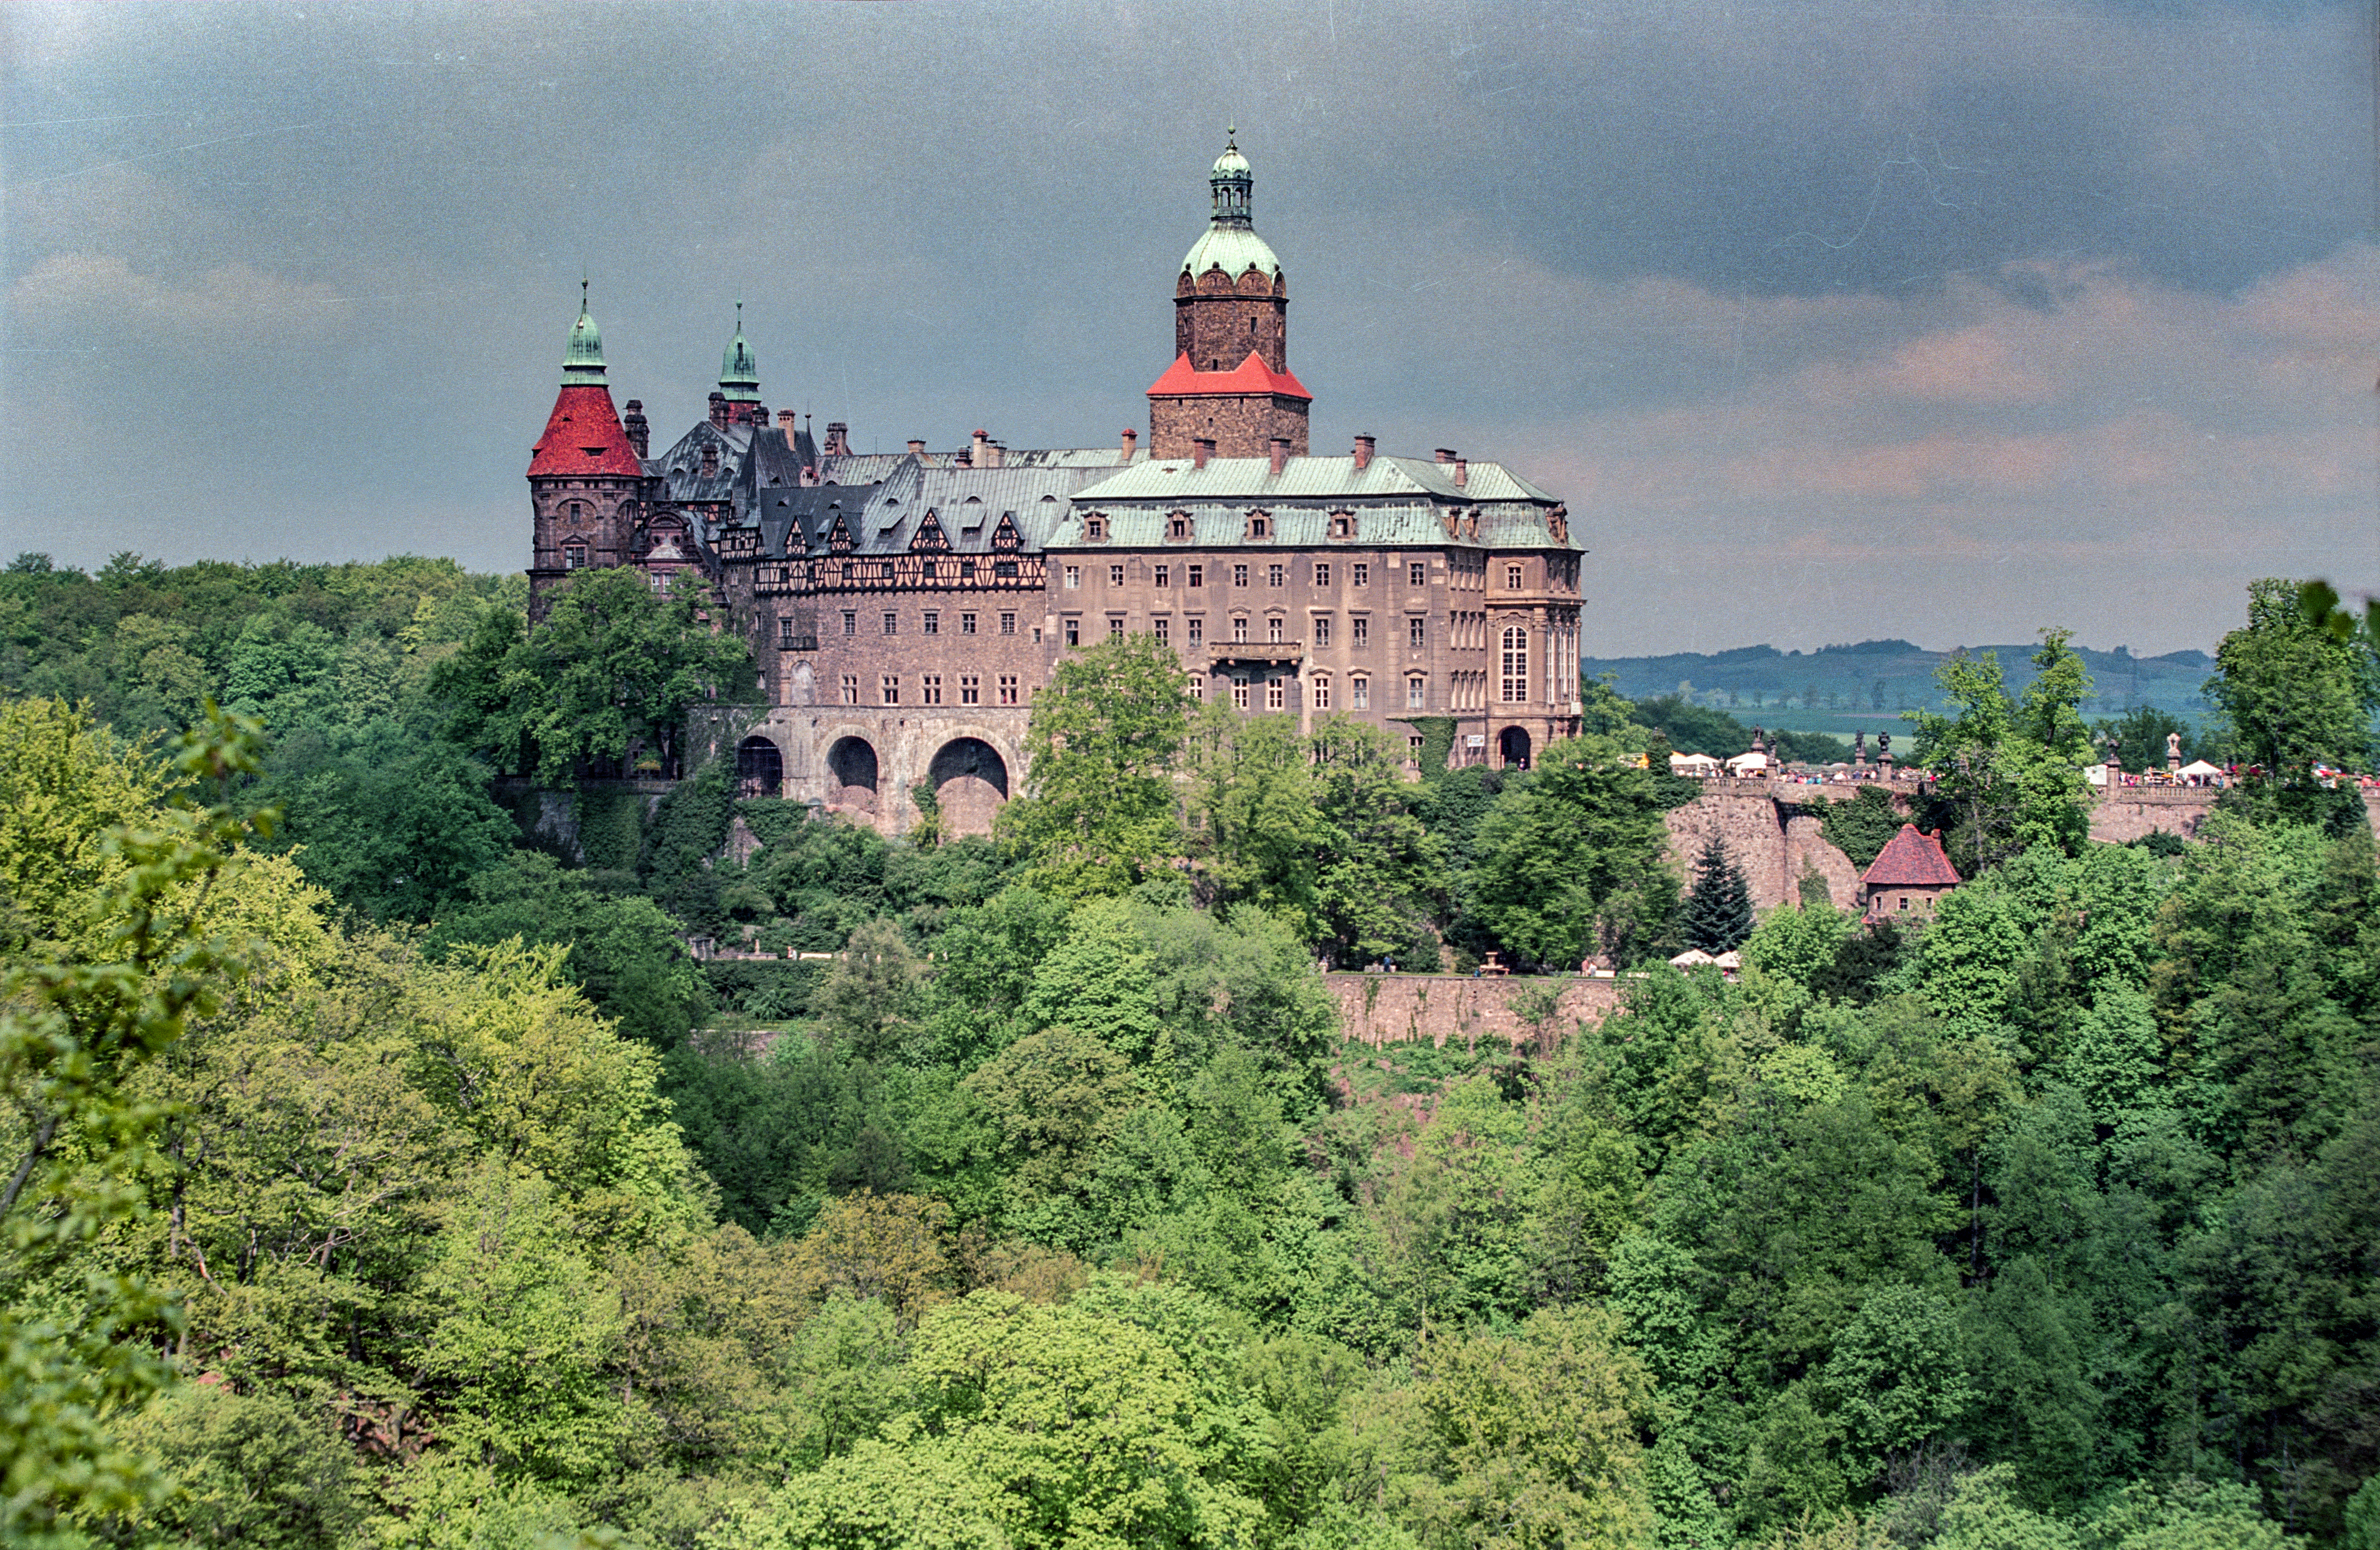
2295	692
1100	812
1572	859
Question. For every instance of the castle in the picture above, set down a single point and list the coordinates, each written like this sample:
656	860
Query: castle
904	607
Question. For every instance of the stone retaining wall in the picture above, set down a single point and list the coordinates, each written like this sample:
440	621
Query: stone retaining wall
1412	1009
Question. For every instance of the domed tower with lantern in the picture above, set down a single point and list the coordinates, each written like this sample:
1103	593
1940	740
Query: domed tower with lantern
1229	384
587	484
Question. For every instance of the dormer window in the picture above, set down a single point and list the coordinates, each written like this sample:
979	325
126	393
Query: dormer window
1259	525
1177	526
1095	528
1342	525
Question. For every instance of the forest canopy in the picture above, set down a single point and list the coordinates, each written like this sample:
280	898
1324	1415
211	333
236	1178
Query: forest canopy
379	1173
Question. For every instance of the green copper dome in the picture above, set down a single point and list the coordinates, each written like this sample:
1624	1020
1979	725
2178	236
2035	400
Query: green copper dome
739	373
1230	242
582	358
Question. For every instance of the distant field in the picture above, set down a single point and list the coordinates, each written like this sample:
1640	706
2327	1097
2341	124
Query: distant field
1844	689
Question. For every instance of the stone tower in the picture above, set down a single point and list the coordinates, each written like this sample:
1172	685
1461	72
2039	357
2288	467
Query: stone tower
586	484
1230	381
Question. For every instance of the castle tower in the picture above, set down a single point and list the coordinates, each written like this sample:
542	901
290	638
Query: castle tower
585	481
1229	380
738	399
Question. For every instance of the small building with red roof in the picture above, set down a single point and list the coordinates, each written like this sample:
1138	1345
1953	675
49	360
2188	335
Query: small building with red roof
1907	876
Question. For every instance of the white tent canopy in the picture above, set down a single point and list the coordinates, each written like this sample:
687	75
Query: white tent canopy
1692	958
1697	764
1748	761
2199	767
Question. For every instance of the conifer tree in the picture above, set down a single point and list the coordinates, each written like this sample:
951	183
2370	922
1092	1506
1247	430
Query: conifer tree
1717	915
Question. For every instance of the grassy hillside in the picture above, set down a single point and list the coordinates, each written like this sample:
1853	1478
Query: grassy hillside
1840	689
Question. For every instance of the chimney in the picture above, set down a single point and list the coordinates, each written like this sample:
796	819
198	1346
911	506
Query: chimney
917	449
785	425
1279	454
719	409
1363	452
639	432
982	458
999	456
1462	472
1202	449
1445	456
710	460
1131	444
838	438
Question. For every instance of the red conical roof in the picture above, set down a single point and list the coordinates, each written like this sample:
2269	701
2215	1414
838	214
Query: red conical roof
1912	860
1252	375
583	436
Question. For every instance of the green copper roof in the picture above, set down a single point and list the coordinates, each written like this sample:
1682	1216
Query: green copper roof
1235	249
1231	241
582	358
739	373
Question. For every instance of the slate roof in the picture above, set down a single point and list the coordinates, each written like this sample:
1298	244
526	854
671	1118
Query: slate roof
583	436
680	468
1911	860
1251	479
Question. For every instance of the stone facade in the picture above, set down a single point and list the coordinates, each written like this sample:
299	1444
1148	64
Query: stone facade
905	607
1436	1008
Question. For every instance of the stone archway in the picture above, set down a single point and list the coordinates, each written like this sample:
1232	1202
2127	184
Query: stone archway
852	774
1512	745
970	781
759	767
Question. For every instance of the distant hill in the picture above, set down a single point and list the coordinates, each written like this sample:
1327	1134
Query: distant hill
1844	689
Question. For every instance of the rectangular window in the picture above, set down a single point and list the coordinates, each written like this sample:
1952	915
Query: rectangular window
1163	627
1418	632
1416	694
1007	623
1074	632
1359	692
851	688
892	690
1513	577
1515	686
967	624
1321	630
1198	688
970	689
1008	688
1276	575
930	690
1321	692
1240	629
1321	574
1197	576
1197	632
785	629
1115	575
1074	577
933	622
929	571
1164	575
850	622
1359	575
1276	697
1239	575
891	623
1115	628
1359	632
966	570
1417	573
573	557
1272	630
1240	694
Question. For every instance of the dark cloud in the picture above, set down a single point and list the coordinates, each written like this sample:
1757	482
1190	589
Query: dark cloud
319	260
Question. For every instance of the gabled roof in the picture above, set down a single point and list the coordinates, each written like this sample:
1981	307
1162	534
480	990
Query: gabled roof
1911	860
583	436
1251	376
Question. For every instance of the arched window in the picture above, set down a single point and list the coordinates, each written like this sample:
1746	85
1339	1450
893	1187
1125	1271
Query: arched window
1516	665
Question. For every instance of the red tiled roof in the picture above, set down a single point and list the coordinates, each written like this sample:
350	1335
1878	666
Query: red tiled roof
584	436
1912	860
1251	375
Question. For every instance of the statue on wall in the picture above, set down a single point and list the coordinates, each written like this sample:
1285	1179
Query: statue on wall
2173	750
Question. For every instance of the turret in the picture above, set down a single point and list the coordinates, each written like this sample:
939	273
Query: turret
585	478
1229	379
739	379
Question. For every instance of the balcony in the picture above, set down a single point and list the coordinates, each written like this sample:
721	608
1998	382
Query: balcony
1271	653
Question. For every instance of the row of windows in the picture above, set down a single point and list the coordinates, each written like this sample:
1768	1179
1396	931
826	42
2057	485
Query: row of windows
929	688
1277	574
929	623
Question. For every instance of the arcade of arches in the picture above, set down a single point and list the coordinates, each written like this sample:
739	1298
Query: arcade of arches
969	777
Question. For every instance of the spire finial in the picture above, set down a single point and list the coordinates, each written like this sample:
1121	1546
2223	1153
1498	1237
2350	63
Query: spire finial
1231	136
582	293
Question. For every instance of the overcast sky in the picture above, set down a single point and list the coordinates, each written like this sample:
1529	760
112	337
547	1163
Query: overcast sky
1829	320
